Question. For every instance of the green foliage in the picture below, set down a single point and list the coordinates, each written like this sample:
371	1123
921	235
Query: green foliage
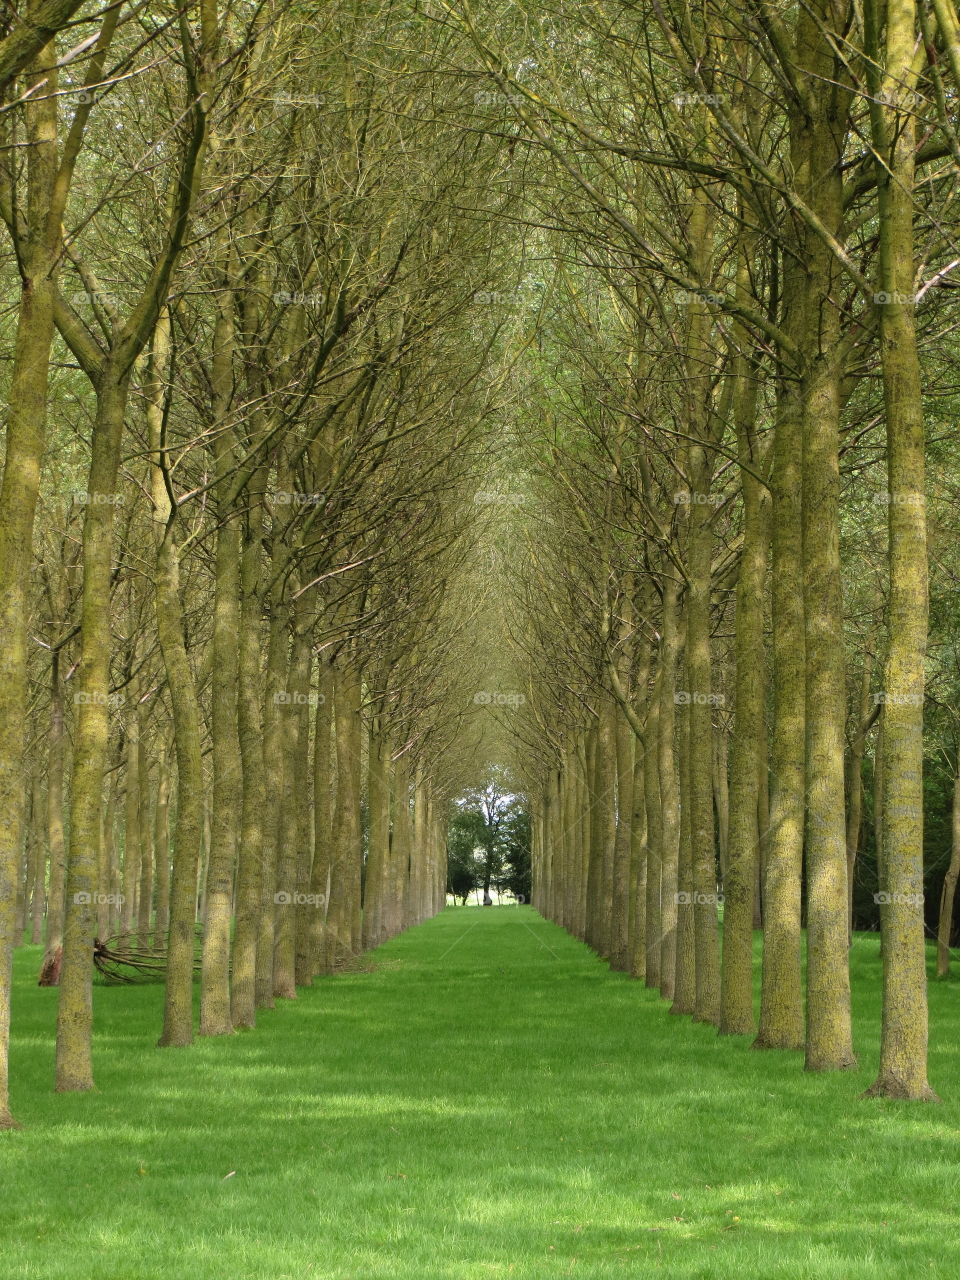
488	844
464	840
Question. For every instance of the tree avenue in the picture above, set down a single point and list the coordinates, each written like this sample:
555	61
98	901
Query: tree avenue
455	450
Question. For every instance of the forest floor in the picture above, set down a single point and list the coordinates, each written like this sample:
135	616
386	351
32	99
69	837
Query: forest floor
487	1100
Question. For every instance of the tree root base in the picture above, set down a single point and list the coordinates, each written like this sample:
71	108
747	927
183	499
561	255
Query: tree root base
892	1087
790	1046
842	1064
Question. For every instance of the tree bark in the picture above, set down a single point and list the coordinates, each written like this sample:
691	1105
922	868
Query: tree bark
903	1039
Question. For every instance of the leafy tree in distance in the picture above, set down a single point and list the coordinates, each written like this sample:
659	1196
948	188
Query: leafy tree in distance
489	842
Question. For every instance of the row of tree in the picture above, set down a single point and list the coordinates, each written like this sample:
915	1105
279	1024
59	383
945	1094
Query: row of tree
748	215
401	396
245	424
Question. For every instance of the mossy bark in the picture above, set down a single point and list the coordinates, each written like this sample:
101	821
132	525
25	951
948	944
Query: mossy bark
24	448
781	1003
188	827
274	762
949	890
56	838
819	131
669	787
685	974
161	840
243	995
378	850
652	905
903	1039
74	1059
324	781
749	759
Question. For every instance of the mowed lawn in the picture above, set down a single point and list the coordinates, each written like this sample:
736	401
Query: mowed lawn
488	1101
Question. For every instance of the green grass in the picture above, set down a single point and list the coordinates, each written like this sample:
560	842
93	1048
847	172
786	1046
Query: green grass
490	1101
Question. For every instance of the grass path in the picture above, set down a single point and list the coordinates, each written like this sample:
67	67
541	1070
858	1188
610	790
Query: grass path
490	1101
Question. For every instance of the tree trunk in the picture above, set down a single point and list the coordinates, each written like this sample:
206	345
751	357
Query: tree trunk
250	733
75	1009
749	760
25	438
188	829
638	866
945	922
669	787
227	798
147	851
685	975
323	788
161	840
131	827
378	807
294	715
273	758
781	1002
818	136
854	783
38	870
651	758
56	906
903	1040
